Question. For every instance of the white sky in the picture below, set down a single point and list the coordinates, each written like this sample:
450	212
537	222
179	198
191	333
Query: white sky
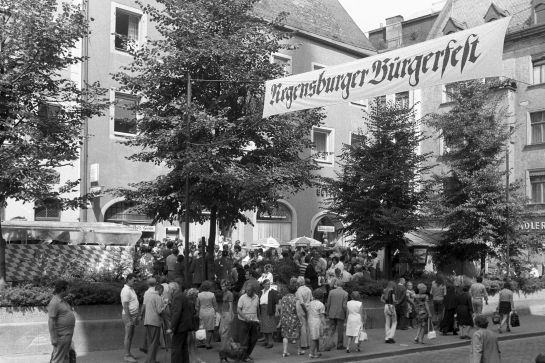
368	14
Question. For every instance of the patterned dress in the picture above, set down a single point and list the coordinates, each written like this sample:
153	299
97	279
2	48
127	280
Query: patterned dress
288	320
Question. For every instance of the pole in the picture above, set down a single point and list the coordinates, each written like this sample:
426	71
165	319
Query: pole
507	241
188	132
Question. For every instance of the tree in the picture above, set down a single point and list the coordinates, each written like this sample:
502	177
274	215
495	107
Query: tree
471	199
236	161
380	190
41	111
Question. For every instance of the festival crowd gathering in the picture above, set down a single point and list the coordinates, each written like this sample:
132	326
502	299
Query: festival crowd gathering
293	296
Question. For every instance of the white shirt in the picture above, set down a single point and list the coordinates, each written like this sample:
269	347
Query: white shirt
129	296
266	276
264	299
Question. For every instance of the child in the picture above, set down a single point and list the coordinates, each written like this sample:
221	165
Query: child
484	344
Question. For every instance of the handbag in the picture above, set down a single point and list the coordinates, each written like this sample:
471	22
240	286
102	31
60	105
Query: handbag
515	321
496	319
362	336
431	333
200	334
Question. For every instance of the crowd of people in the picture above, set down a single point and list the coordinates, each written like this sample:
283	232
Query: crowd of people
246	301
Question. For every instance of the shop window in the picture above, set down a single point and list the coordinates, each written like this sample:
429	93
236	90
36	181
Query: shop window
47	210
284	61
402	99
278	214
537	183
123	212
125	114
537	127
127	26
323	145
538	71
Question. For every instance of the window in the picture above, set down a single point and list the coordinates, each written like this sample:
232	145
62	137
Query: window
124	114
538	67
47	210
122	212
448	89
323	145
126	29
540	14
402	99
357	139
284	61
537	127
537	182
380	101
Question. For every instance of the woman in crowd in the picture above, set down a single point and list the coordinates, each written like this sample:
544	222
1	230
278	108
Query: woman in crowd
389	300
355	320
289	321
266	275
438	292
207	306
316	323
226	315
505	306
449	303
192	295
464	312
423	314
484	345
411	312
267	303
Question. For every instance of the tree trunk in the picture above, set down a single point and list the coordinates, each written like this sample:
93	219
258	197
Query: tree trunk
211	243
387	262
483	263
2	260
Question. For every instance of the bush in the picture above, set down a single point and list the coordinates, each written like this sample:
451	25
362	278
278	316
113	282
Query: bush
80	292
366	287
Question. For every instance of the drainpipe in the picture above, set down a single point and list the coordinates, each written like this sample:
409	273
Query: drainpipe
84	167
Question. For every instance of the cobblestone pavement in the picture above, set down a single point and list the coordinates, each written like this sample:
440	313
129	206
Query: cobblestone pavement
513	351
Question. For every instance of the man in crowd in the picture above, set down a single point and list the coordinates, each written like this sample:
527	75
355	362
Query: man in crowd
247	308
61	321
129	314
170	263
153	314
400	292
478	294
182	324
336	310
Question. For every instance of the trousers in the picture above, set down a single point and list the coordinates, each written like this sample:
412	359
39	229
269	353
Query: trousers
391	321
249	331
180	348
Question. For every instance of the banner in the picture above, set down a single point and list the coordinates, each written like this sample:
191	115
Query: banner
469	54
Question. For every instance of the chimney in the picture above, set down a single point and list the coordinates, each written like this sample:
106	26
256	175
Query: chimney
394	31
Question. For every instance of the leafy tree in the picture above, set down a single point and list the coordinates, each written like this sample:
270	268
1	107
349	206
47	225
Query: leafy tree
41	111
472	205
380	191
236	161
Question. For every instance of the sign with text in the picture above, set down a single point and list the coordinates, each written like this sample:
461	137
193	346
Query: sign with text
468	54
326	228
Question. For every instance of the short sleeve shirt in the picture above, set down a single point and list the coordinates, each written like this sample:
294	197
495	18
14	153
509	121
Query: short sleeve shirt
249	306
128	295
61	311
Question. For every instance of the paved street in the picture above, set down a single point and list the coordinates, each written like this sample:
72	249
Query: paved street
513	351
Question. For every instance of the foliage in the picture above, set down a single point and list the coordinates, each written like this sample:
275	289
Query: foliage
366	287
80	292
41	109
236	160
380	190
471	197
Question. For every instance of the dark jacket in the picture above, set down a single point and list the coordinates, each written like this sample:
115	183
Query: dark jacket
183	313
401	295
273	300
310	273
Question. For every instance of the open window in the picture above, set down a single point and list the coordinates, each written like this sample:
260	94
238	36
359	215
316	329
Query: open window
323	145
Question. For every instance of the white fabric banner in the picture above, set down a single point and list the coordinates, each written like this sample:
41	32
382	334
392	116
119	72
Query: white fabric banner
468	54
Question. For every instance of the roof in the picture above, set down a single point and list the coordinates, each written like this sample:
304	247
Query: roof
425	237
324	18
472	13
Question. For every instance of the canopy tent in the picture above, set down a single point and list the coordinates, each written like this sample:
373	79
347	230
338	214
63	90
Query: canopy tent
70	232
305	242
268	242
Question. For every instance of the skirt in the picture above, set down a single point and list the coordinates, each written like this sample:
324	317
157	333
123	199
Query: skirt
208	319
505	307
268	322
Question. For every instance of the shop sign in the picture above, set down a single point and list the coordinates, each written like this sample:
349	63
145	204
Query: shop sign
535	225
326	228
142	228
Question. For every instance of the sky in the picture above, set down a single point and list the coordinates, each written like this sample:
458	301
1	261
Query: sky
369	14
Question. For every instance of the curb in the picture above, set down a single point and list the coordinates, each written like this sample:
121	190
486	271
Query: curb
429	348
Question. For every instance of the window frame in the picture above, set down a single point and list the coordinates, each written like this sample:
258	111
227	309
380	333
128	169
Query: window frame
445	98
352	133
408	98
330	145
538	62
542	10
142	26
285	57
47	218
530	125
534	174
116	134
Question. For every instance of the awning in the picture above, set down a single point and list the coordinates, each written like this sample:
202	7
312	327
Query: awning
70	232
425	237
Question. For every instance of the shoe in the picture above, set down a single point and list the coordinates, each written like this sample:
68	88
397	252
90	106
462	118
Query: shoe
301	352
358	349
143	350
129	358
416	340
455	333
208	347
508	330
269	346
313	356
391	341
347	350
284	355
468	337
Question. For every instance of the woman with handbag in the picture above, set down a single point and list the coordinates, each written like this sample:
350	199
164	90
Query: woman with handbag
389	300
505	306
355	320
464	312
423	314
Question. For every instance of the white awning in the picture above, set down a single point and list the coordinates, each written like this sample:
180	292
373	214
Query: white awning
70	232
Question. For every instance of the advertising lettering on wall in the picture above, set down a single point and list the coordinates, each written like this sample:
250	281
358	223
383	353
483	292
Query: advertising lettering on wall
469	54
